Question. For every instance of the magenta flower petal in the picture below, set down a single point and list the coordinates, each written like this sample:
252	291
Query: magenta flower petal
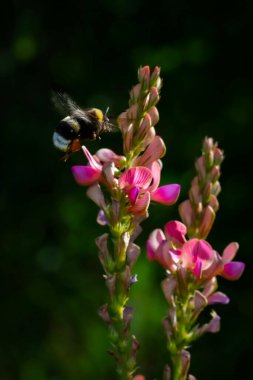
175	231
166	195
141	205
198	269
233	270
230	252
218	297
139	176
133	194
85	175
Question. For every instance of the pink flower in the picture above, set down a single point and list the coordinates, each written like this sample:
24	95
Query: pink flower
172	250
136	182
92	173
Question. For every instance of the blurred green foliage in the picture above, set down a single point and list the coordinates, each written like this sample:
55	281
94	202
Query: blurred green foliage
51	279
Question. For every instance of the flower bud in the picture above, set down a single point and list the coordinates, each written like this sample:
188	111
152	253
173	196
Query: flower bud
133	252
143	76
186	213
154	97
154	115
132	112
135	93
200	165
144	127
218	156
206	222
168	286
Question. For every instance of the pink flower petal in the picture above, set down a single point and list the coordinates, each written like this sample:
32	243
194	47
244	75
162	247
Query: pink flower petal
175	231
85	175
96	195
139	176
230	252
166	195
153	152
218	297
233	270
155	238
107	155
196	250
133	194
141	205
155	168
92	161
186	212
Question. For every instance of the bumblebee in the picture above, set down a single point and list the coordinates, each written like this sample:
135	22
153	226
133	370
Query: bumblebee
86	124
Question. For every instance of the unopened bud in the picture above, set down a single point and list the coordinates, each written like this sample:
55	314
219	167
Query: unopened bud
214	174
133	252
206	222
132	112
186	213
168	287
154	115
154	97
216	188
143	76
218	156
208	144
200	165
135	93
144	127
185	362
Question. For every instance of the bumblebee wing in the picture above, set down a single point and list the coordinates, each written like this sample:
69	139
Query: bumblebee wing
64	104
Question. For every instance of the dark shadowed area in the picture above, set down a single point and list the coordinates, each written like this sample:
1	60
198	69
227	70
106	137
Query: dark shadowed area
51	278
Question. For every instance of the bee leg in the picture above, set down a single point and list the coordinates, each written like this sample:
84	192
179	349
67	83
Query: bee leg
65	157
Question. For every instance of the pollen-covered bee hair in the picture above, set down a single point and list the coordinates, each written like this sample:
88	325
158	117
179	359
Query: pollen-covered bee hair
79	124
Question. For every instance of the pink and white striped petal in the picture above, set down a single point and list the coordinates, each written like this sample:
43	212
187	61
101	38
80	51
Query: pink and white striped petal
166	195
139	176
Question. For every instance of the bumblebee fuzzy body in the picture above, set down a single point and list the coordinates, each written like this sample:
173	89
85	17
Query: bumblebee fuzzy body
87	124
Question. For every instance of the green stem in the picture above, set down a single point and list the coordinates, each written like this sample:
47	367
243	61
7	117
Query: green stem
120	334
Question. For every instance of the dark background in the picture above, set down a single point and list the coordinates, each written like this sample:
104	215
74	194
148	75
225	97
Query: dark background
51	279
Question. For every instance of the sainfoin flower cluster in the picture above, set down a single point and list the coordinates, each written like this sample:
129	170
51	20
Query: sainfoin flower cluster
123	184
192	265
195	257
